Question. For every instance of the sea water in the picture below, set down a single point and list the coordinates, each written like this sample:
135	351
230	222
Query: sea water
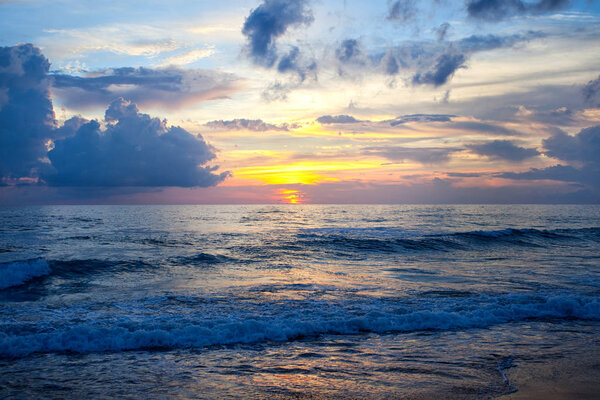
287	301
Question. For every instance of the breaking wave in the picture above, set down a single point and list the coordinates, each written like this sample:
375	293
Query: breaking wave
20	272
199	328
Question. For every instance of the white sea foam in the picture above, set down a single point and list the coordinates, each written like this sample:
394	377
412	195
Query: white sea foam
18	272
146	331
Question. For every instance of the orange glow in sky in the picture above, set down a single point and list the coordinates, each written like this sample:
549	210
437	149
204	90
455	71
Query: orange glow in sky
291	196
305	172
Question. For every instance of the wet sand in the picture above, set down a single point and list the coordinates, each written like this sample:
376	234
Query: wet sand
555	380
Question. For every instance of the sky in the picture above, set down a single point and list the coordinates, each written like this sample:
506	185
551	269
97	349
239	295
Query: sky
281	101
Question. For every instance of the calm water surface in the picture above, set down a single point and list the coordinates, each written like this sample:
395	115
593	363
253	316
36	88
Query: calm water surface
293	301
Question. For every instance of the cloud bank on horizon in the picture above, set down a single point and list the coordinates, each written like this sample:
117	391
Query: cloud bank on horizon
391	101
132	150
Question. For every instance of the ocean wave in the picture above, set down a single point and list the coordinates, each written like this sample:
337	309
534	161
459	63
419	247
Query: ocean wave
163	331
77	267
202	259
20	272
396	240
513	233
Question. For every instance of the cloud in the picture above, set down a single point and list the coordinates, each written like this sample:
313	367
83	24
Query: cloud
435	62
591	92
584	147
134	150
484	127
441	31
557	172
421	118
583	150
402	10
70	127
476	43
350	57
588	175
496	10
349	51
391	65
505	107
120	38
169	87
438	191
558	117
423	155
278	91
189	57
292	62
465	174
268	22
256	125
337	119
26	113
503	150
443	69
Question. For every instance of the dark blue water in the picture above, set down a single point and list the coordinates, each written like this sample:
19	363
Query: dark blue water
292	301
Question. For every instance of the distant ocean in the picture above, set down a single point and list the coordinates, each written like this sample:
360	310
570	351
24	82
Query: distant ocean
294	301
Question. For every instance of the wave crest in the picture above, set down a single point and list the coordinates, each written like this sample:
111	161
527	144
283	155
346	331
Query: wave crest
20	272
390	240
265	325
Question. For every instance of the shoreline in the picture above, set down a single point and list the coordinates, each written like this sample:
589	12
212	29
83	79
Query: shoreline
559	379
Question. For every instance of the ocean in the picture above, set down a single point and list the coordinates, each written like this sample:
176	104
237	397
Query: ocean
298	301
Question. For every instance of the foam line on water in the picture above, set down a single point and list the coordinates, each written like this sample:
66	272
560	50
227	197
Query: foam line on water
199	327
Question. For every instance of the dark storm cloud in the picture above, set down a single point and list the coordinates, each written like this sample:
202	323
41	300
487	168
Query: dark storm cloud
423	155
26	113
591	92
444	68
496	10
583	150
169	87
402	10
337	119
421	118
134	150
503	150
268	22
256	125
